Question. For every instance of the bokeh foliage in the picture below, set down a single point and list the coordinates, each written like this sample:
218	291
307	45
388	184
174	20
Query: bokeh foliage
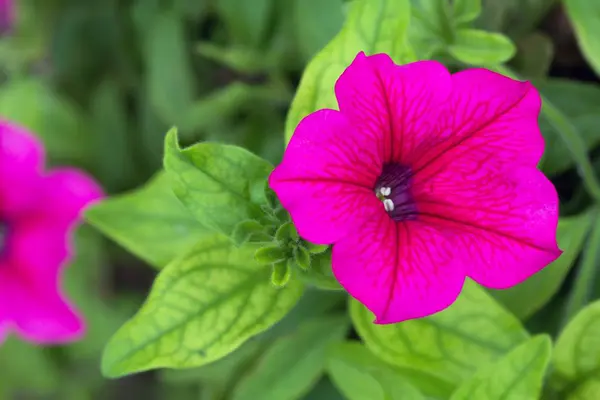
101	81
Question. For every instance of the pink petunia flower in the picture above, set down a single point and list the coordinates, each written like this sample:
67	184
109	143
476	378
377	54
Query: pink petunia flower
6	15
38	211
422	178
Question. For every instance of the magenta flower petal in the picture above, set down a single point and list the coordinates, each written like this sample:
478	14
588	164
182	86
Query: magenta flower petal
7	15
422	179
490	117
37	211
326	176
399	271
38	315
66	192
397	106
21	164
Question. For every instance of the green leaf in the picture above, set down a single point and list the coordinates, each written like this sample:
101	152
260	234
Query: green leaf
431	27
519	375
316	22
580	103
219	375
270	255
586	278
149	221
588	390
528	297
577	351
465	10
324	390
514	17
316	248
479	47
359	375
224	373
584	17
319	274
293	364
114	165
534	56
240	59
281	273
246	21
286	232
372	26
27	367
221	105
170	76
246	230
218	183
302	257
84	282
201	307
450	345
55	120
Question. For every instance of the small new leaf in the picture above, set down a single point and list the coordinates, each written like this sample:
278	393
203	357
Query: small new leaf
316	248
281	273
286	232
270	196
245	230
270	255
302	257
478	47
465	10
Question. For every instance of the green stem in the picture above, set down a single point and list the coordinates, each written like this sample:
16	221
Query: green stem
586	277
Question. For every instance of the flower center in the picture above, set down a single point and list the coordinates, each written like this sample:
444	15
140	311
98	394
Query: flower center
3	236
393	189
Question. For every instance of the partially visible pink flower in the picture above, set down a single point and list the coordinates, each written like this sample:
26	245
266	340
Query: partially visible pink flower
38	212
422	178
7	15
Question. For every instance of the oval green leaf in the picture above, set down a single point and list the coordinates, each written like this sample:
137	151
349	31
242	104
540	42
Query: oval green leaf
293	364
450	345
479	47
218	183
584	17
201	307
588	390
517	376
359	375
170	77
465	10
372	26
580	103
150	222
577	350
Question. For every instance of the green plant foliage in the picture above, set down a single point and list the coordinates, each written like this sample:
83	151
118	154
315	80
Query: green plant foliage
150	222
239	306
518	375
360	375
202	306
218	183
450	345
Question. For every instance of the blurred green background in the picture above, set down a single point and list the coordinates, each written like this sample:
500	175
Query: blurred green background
101	81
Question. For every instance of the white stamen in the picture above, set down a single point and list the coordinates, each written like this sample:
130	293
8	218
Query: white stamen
385	191
388	205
